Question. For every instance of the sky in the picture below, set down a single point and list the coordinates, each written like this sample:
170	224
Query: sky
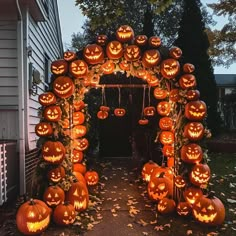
71	20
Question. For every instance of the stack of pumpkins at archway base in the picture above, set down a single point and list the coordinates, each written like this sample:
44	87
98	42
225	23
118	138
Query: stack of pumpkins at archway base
64	120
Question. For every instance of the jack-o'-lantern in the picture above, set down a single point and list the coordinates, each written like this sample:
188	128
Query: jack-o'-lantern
78	105
53	196
124	33
154	41
162	170
77	156
91	177
59	67
78	118
166	123
56	174
63	86
184	209
170	68
102	115
160	93
166	206
78	68
79	131
108	67
124	65
194	131
179	181
175	52
119	112
101	39
209	210
43	129
93	54
148	169
195	110
69	55
78	196
174	95
191	194
141	40
47	99
65	123
64	214
151	58
132	53
187	81
52	113
168	150
163	108
141	73
192	95
167	137
114	50
81	144
153	80
33	217
143	121
53	152
149	111
191	153
200	174
188	68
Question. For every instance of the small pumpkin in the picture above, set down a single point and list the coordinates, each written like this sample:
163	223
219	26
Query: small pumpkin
170	161
166	123
76	156
151	58
192	95
114	50
78	117
59	67
119	112
102	115
52	113
56	174
163	108
188	68
200	174
101	39
124	33
191	194
108	67
167	137
168	150
47	99
93	54
81	144
143	121
170	68
149	111
174	95
53	196
153	80
195	110
43	129
160	93
80	167
184	209
63	86
124	65
79	131
179	181
175	52
154	41
141	40
91	177
69	55
166	206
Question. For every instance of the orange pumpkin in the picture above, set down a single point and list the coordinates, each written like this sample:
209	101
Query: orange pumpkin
80	167
124	33
124	65
153	80
179	181
93	54
188	68
108	67
149	111
194	131
192	95
78	105
184	209
148	169
79	131
187	81
104	108
168	150
143	121
160	93
175	52
191	153
191	194
200	174
170	68
132	53
47	99
43	129
69	55
63	86
91	177
163	108
166	123
166	206
78	68
76	156
59	67
154	41
56	174
101	39
151	58
170	161
167	137
78	118
195	110
53	196
81	144
114	50
102	115
119	112
174	95
141	40
52	113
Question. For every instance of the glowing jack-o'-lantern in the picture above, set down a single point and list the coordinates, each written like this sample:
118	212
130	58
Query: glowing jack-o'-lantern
168	150
154	41
33	217
78	105
194	131
119	112
170	68
149	111
56	174
81	144
78	118
108	67
174	95
101	39
162	170
167	137
195	110
53	152
141	73
179	181
78	196
209	210
153	80
200	174
93	54
102	115
148	169
166	206
141	40
151	58
163	108
132	53
79	131
47	99
143	121
187	81
91	177
64	214
52	113
77	156
188	68
160	93
114	50
43	129
69	55
78	68
191	194
124	33
63	86
166	123
53	196
124	65
59	67
191	153
175	52
192	95
183	209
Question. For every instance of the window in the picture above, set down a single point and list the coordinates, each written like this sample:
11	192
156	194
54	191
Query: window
47	75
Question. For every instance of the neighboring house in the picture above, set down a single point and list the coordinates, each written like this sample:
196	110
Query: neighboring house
30	39
226	85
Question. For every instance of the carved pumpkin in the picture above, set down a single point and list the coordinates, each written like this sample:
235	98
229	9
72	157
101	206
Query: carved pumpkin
200	175
124	33
187	81
56	174
114	50
47	99
78	118
63	86
81	144
91	177
174	95
69	55
78	68
93	54
78	196
52	113
163	108
175	52
143	121
149	111
59	67
188	68
141	40
79	131
191	194
53	196
160	93
167	137
191	153
124	65
179	181
162	170
132	53
194	131
43	129
166	123
119	112
53	152
102	115
151	58
77	156
168	150
64	214
78	105
101	39
33	217
148	169
108	67
154	41
65	123
141	73
195	110
153	81
170	68
192	95
184	209
166	206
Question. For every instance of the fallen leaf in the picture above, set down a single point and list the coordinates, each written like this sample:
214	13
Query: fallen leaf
153	222
142	222
167	225
115	215
145	233
130	225
189	232
159	228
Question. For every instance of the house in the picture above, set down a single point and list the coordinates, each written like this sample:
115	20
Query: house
30	39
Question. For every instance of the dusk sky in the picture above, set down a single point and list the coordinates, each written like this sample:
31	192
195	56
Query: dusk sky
72	19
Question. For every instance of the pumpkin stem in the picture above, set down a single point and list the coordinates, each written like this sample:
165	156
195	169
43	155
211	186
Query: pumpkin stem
31	201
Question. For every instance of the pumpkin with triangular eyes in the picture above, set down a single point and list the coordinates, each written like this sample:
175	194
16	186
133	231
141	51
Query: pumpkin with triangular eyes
101	39
124	33
91	177
47	99
43	129
195	110
141	40
191	194
194	131
52	113
184	209
59	67
132	53
179	181
114	50
163	108
63	86
174	95
53	196
191	153
154	41
77	156
153	80
175	52
168	150
187	81
81	144
148	169
93	54
124	65
200	174
69	55
78	68
151	58
170	68
166	206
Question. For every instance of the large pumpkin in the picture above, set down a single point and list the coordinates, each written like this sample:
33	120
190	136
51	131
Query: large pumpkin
52	113
195	110
191	153
93	54
114	50
124	33
47	99
53	196
63	86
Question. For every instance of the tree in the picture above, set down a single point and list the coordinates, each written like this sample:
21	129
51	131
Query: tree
193	41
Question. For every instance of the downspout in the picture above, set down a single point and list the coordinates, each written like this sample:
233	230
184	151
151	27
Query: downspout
21	104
